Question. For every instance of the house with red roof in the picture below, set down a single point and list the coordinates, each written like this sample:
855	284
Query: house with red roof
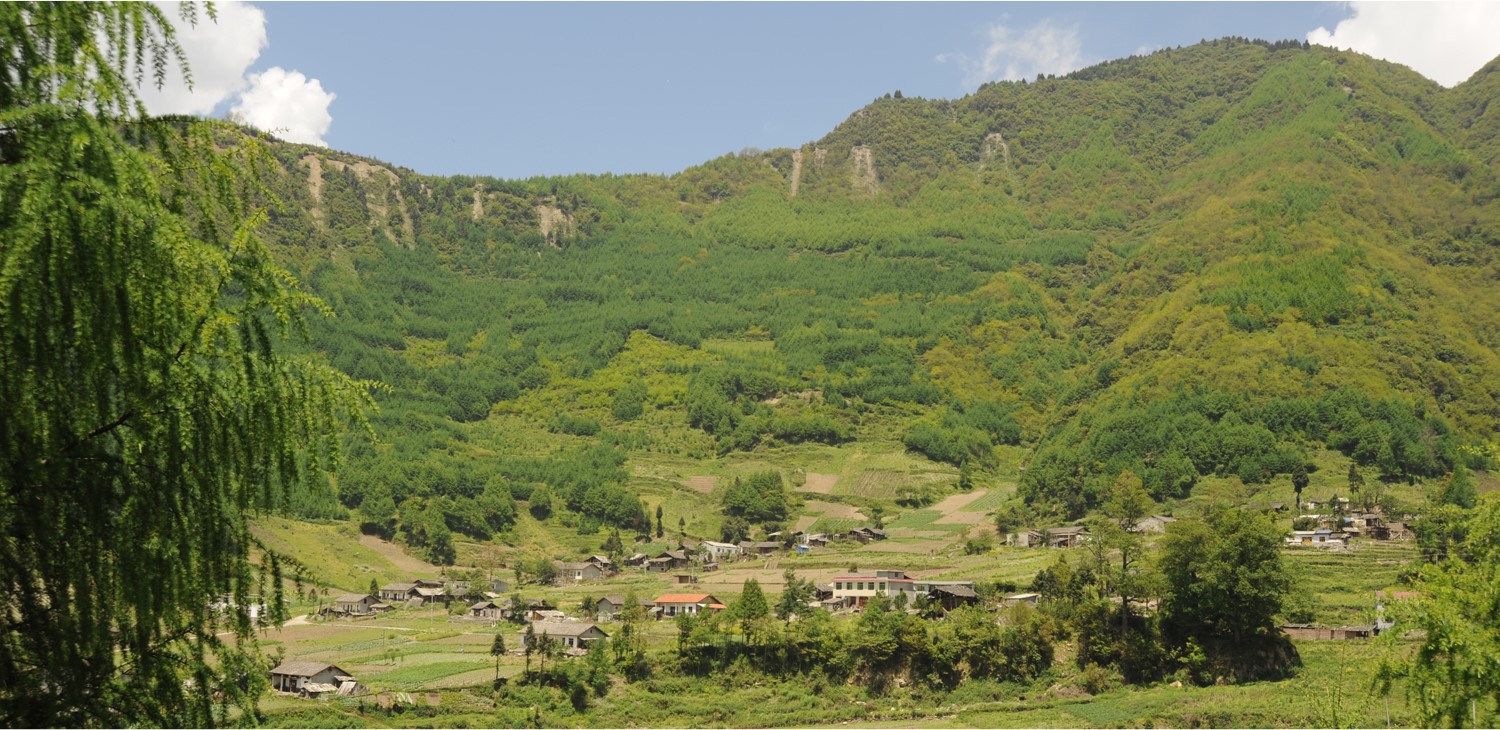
672	604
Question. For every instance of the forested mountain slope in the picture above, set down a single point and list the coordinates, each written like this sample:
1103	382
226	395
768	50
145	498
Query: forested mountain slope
1206	261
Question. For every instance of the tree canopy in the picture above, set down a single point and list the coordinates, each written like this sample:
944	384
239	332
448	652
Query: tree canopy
150	405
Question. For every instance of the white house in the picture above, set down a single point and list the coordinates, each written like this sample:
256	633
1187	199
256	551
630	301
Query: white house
721	550
672	604
312	678
574	635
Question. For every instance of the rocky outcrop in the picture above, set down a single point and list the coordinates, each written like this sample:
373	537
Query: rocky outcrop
862	170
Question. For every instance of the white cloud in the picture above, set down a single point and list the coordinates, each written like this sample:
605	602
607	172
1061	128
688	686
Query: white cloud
1010	55
286	104
1444	41
218	55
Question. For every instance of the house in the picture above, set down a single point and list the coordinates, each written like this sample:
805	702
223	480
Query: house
1323	537
1397	531
605	564
722	550
759	547
823	591
577	572
1154	524
672	604
1027	598
1323	633
358	604
860	588
498	585
509	609
487	610
546	614
683	579
1026	539
667	560
815	540
637	560
312	679
429	595
951	595
574	635
608	607
398	592
866	534
1066	537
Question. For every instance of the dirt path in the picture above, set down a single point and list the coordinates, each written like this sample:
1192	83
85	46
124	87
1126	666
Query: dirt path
398	557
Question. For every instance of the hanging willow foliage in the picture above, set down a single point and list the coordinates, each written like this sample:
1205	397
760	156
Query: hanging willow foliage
146	408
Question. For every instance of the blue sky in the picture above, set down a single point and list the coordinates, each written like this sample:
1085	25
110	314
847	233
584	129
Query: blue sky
522	89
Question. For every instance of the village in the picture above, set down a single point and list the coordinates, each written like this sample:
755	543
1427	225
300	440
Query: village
585	600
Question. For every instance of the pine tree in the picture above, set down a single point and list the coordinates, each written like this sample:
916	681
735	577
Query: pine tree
147	408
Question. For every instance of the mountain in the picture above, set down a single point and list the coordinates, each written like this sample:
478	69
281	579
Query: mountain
1209	263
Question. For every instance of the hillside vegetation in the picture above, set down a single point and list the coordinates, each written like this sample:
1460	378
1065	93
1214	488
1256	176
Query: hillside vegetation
1214	265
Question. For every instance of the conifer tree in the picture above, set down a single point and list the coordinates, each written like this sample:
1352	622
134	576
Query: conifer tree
149	407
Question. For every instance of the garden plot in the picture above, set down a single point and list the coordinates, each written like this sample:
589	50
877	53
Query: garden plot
819	483
954	509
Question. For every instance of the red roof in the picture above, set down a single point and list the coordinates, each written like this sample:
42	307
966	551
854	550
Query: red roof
683	598
719	606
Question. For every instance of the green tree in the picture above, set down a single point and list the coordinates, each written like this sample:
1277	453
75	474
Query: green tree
540	503
751	604
795	597
659	531
150	405
1451	679
1458	489
629	402
1225	584
1300	481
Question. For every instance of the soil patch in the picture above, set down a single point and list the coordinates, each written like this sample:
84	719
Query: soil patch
819	483
952	509
835	510
703	485
398	557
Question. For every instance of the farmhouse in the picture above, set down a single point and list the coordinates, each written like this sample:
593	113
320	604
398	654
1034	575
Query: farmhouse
951	594
692	604
759	547
312	679
574	635
866	534
487	610
398	592
577	572
667	560
1026	539
1066	537
607	607
721	550
859	588
359	604
1324	538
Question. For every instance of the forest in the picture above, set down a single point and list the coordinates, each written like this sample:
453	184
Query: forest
1214	271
